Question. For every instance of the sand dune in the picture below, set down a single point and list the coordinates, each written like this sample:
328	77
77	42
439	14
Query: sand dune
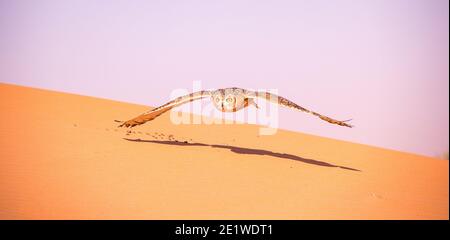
62	157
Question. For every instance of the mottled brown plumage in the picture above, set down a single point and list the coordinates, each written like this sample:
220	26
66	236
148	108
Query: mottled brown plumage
226	100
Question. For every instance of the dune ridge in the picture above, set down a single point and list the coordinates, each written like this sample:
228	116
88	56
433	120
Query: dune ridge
63	157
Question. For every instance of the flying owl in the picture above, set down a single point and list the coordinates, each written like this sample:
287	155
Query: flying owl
226	100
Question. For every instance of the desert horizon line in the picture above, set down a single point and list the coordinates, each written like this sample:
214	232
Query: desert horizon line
439	156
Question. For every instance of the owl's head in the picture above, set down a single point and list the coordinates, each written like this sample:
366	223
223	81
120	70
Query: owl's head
227	100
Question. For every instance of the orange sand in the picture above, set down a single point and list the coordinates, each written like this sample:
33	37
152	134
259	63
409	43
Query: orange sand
62	157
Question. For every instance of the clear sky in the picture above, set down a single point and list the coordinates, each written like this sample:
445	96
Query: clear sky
384	63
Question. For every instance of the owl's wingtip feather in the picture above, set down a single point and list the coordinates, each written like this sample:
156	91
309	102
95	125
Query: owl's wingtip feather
348	125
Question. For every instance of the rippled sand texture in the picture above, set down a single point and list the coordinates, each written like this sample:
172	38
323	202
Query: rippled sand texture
62	157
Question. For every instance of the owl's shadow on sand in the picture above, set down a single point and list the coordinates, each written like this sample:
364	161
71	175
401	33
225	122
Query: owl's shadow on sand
252	151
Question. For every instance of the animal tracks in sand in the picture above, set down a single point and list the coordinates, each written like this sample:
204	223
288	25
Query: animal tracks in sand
127	132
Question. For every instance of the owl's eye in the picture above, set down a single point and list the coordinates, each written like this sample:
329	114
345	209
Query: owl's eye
217	99
229	100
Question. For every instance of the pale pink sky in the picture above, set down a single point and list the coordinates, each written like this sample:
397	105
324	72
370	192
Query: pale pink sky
384	63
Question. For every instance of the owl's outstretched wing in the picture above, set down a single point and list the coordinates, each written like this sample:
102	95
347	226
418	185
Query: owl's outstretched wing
152	114
285	102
